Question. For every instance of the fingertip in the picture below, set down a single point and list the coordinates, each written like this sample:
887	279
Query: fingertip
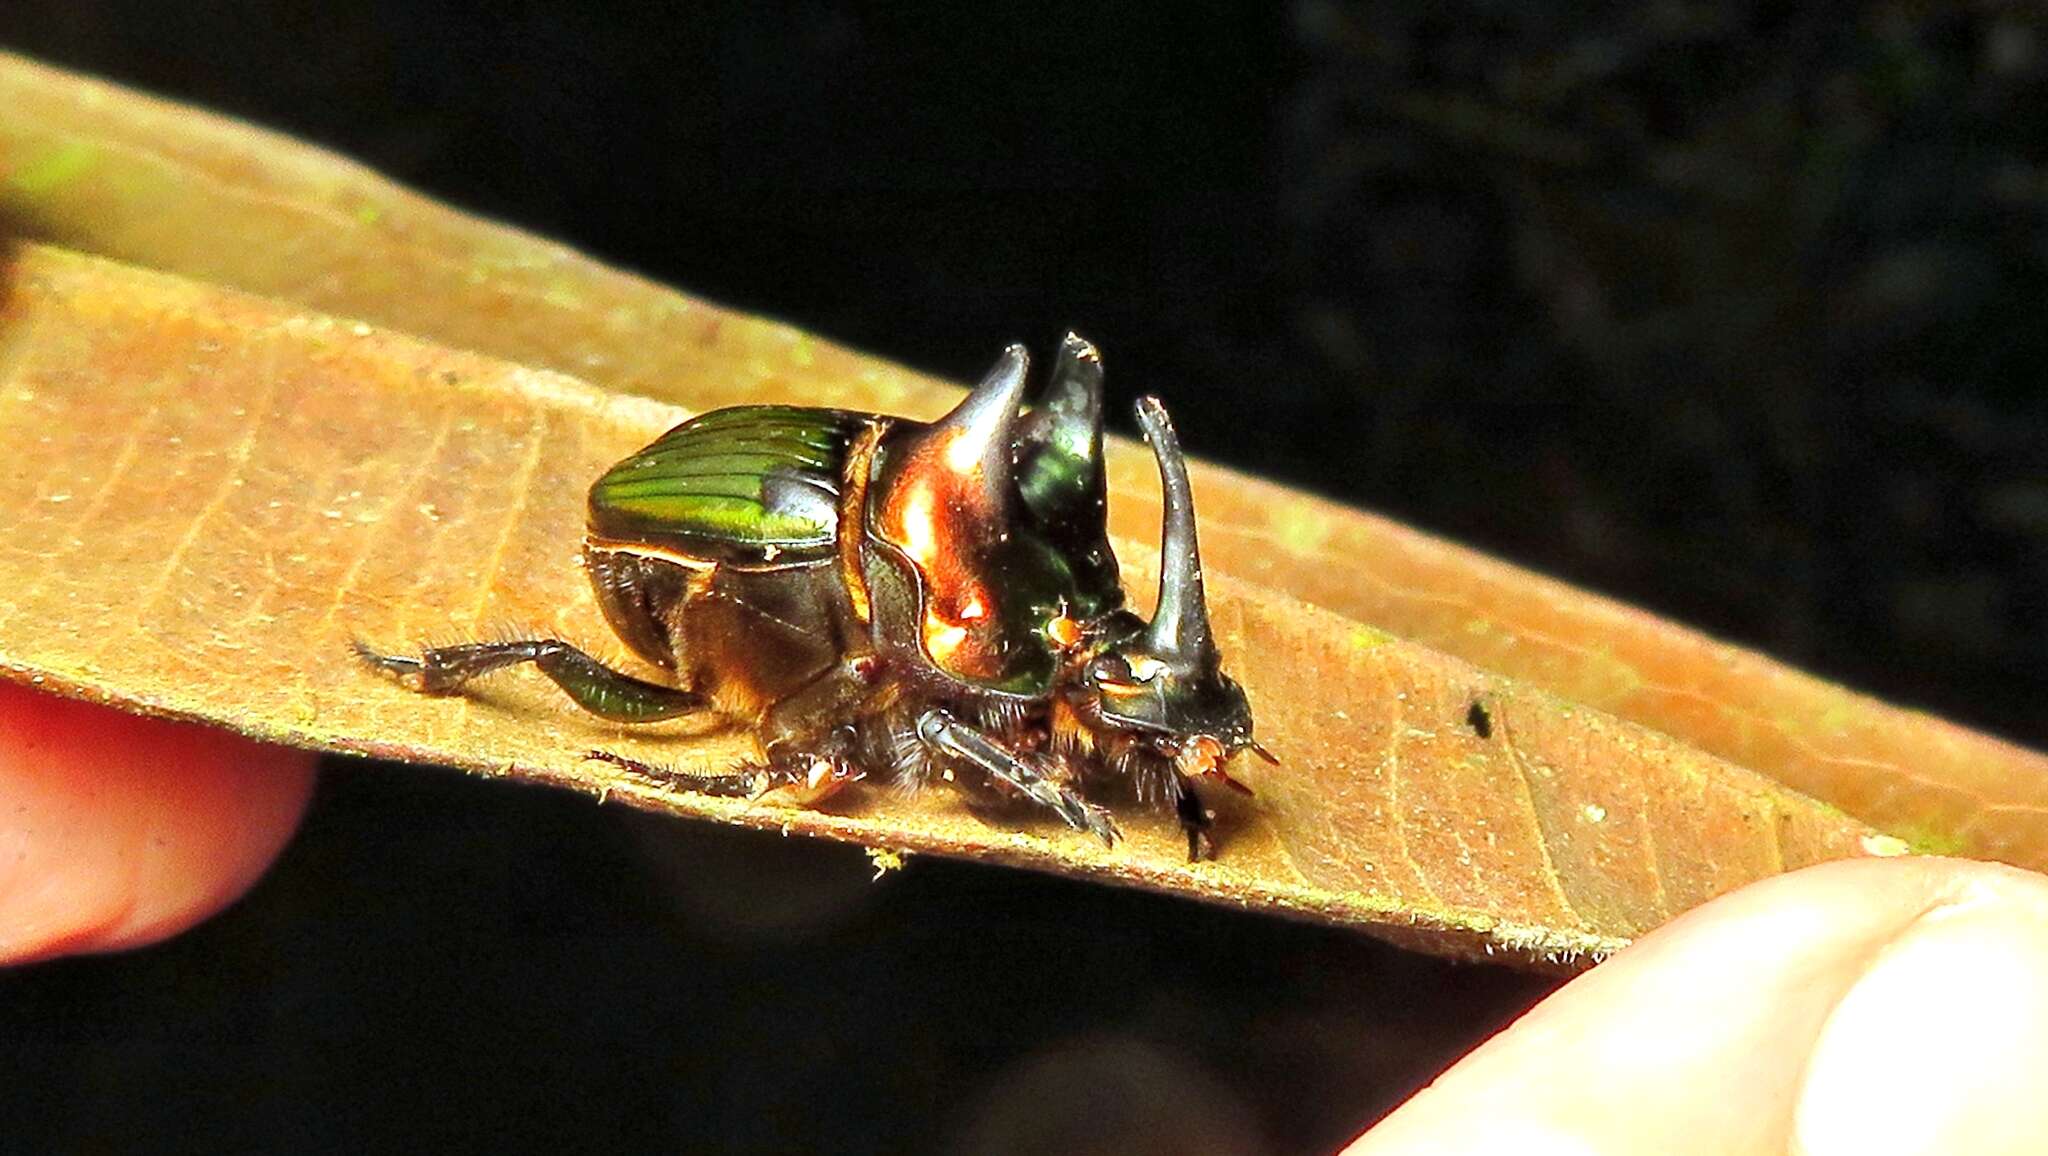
1774	1012
117	831
1940	1044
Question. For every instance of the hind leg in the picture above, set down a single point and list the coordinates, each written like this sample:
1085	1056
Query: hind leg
592	685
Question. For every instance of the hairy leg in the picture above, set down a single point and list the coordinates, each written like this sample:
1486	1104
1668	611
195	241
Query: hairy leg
593	686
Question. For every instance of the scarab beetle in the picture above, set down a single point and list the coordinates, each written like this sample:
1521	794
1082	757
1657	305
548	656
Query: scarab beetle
898	600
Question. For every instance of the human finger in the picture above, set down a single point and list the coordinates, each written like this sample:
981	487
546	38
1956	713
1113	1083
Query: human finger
118	831
1869	1005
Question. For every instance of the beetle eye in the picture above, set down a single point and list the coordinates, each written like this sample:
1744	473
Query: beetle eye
1110	668
1145	668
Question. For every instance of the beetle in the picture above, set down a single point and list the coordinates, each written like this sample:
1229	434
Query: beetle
883	598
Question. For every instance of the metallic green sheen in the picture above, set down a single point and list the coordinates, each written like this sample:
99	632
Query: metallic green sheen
751	483
1062	495
1052	477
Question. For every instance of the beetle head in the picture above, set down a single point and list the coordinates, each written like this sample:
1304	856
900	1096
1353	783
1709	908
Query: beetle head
1166	680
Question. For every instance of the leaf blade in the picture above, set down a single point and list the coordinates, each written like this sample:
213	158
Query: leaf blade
245	486
99	168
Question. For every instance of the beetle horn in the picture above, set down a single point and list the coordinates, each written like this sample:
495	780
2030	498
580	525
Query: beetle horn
1179	631
1060	440
948	483
973	443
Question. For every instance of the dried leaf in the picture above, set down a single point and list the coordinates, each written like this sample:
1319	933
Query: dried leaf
106	170
204	496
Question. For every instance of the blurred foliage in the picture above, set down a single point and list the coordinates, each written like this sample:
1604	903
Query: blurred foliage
1748	295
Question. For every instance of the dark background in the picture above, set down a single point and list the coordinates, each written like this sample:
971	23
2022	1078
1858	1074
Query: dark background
1731	310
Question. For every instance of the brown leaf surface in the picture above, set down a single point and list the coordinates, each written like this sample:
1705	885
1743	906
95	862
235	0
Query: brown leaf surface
204	495
169	187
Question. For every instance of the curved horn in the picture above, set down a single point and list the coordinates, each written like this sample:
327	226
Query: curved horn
945	491
966	454
975	439
1060	466
1179	630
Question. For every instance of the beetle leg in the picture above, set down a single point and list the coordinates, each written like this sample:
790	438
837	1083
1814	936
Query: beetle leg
1195	819
955	739
736	784
812	770
595	687
805	736
812	776
821	705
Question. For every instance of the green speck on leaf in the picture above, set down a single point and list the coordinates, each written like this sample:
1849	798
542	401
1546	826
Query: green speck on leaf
1366	638
369	214
1930	840
1300	530
1837	717
54	169
885	860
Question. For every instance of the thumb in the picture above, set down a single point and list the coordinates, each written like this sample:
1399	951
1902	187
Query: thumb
1863	1006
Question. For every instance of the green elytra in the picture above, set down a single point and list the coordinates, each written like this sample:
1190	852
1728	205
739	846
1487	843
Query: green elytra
883	598
733	484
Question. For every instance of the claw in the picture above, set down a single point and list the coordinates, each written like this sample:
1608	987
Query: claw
411	672
1098	823
1080	814
1233	784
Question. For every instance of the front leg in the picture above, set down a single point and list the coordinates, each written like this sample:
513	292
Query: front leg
956	740
1195	819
